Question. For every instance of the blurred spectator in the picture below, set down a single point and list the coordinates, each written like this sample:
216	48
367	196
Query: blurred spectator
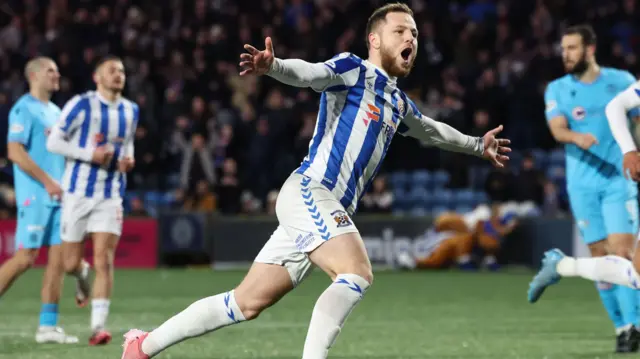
137	208
530	182
379	199
499	185
202	199
481	63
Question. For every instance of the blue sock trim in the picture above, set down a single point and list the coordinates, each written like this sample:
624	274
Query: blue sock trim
49	314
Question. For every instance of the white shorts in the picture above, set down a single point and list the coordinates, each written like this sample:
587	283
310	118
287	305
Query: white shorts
81	215
309	215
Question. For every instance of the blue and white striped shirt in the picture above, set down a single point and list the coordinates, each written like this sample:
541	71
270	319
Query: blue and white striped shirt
361	108
88	121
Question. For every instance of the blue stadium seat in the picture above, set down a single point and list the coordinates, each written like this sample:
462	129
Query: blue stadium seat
540	157
481	198
438	210
442	198
421	178
419	211
462	209
173	180
399	179
440	179
556	157
401	199
556	173
418	197
478	175
465	197
515	159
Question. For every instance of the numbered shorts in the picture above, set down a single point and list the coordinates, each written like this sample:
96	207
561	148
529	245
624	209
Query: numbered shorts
82	215
37	226
309	215
601	213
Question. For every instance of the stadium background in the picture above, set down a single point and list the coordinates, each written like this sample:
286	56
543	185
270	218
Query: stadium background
212	149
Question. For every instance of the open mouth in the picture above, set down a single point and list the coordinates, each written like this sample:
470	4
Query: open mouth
406	54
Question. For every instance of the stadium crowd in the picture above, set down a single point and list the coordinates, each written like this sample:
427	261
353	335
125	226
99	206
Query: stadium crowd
217	141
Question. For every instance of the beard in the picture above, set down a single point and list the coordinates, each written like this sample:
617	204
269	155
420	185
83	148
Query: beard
580	67
390	63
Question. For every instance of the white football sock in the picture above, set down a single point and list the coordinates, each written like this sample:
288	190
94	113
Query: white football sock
201	317
99	313
331	311
611	269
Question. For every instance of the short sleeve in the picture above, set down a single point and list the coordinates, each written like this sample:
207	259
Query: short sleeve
20	124
551	101
346	69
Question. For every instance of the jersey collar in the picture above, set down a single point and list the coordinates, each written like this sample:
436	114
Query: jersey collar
379	71
107	102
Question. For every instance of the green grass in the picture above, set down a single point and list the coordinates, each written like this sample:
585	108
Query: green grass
437	315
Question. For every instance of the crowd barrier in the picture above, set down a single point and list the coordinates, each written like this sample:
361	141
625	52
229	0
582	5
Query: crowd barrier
146	243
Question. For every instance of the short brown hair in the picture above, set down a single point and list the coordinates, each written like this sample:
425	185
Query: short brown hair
585	31
103	60
380	15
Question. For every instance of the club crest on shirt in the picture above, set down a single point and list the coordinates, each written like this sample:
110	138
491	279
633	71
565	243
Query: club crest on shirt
579	113
341	218
400	105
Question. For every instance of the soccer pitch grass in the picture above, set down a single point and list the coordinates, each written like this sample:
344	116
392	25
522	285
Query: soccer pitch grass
438	315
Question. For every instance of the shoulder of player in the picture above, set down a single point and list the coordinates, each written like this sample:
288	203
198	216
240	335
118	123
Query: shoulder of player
23	106
621	76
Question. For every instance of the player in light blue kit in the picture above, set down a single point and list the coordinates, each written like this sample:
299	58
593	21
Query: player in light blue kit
37	173
603	201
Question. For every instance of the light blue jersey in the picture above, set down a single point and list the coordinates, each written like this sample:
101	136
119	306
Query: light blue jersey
602	200
38	214
583	105
29	122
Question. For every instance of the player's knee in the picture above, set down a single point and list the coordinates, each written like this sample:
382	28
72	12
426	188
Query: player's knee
621	251
102	261
26	258
251	306
363	270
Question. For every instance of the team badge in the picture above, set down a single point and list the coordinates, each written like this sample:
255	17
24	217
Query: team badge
579	113
341	218
400	105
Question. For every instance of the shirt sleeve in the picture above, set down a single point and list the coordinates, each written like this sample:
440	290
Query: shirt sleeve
552	108
439	134
616	112
20	124
73	114
72	117
338	73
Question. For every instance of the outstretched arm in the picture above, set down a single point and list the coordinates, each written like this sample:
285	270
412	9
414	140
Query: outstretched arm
341	70
446	137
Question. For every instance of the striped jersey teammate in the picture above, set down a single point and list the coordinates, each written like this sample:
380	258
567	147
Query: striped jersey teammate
95	134
361	108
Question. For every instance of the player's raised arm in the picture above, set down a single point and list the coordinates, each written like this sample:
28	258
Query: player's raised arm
617	111
60	141
446	137
18	137
339	71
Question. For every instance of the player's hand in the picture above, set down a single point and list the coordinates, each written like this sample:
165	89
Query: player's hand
257	62
585	140
54	190
631	165
102	155
495	148
126	164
